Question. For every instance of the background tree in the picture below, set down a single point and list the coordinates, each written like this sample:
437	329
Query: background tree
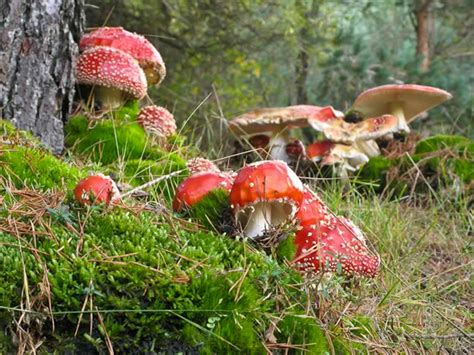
38	46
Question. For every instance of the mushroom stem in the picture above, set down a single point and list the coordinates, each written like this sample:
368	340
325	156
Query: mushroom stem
258	221
278	143
397	110
110	98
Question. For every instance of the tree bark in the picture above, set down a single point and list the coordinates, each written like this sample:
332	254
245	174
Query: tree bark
38	48
424	22
302	71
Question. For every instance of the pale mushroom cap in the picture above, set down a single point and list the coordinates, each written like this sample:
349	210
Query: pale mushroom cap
278	118
111	68
413	99
131	43
341	153
157	120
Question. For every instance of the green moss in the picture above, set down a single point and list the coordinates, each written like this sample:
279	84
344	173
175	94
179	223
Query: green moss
107	140
37	168
286	250
459	144
211	209
117	137
303	332
138	171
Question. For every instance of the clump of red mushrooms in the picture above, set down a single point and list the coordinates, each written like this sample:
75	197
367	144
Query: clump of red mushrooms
118	65
266	195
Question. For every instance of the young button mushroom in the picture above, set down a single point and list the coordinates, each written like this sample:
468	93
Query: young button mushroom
199	165
333	247
96	189
131	43
264	195
277	122
406	102
157	120
194	188
114	75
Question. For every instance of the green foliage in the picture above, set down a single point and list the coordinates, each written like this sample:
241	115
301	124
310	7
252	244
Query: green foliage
458	144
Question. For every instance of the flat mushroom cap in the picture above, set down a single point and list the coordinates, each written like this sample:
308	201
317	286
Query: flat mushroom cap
414	99
277	118
131	43
329	247
157	120
194	188
265	181
96	189
111	68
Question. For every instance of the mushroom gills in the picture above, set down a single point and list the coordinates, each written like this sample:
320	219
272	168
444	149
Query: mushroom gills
262	216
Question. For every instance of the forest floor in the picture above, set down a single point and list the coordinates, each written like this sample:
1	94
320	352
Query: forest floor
421	301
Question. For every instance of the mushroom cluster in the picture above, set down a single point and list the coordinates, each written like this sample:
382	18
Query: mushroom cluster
266	195
118	65
350	139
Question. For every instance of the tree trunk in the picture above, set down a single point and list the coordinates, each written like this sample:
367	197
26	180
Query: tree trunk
302	70
424	22
38	47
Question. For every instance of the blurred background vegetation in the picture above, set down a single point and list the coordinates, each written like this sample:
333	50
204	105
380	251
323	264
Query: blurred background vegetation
226	57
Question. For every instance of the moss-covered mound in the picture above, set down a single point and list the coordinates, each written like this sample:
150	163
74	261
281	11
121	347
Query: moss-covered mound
84	279
443	160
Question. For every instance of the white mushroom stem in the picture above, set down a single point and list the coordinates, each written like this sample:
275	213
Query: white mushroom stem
110	98
255	220
369	148
278	143
396	109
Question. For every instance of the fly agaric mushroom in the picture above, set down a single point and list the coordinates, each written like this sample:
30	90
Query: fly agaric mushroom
157	120
312	208
347	157
194	188
335	246
96	189
296	150
277	122
131	43
199	165
264	195
115	75
406	102
317	150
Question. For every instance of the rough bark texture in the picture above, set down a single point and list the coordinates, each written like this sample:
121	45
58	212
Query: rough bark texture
38	48
424	22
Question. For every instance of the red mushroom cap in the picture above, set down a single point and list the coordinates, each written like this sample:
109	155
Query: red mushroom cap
199	165
157	120
131	43
111	68
268	188
295	149
96	189
312	208
194	188
317	150
323	247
